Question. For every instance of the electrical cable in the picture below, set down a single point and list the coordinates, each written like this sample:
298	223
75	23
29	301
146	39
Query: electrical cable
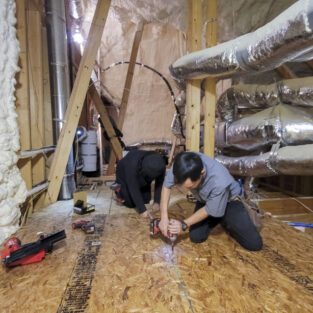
163	78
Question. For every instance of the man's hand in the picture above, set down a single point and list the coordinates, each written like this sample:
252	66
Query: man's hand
146	214
163	225
175	227
155	207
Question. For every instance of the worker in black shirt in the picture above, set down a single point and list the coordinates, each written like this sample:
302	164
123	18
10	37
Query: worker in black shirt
134	175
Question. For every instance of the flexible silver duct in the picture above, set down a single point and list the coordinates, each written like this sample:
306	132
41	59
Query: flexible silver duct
288	37
285	123
292	160
59	81
291	91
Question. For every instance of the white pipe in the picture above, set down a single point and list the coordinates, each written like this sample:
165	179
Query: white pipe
24	154
37	189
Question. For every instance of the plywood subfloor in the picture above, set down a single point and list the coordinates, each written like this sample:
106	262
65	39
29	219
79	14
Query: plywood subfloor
122	269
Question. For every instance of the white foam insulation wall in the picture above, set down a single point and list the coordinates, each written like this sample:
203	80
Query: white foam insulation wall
12	187
150	108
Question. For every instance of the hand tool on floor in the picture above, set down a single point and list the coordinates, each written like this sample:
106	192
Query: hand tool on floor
14	253
80	209
155	229
86	226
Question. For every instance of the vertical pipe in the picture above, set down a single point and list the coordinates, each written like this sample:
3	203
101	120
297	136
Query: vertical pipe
59	80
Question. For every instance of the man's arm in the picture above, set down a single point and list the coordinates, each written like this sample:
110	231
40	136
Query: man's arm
165	198
175	226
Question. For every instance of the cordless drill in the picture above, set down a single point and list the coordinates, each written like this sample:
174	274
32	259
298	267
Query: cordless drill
155	229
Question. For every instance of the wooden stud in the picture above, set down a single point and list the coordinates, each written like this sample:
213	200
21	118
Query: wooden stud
105	120
210	83
36	88
48	129
22	92
310	64
76	101
170	159
193	92
126	91
286	72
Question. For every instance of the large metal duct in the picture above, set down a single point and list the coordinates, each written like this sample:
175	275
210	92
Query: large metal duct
297	91
285	123
292	160
59	81
288	37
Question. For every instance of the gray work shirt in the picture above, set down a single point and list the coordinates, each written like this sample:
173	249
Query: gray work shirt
216	188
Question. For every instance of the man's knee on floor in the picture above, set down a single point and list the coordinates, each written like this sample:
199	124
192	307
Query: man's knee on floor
254	245
197	238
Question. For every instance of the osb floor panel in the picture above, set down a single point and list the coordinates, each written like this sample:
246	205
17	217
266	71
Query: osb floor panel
122	269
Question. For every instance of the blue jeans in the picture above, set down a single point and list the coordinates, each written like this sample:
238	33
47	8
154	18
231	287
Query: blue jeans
236	221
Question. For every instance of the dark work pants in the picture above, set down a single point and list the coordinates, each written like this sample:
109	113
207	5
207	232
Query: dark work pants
236	221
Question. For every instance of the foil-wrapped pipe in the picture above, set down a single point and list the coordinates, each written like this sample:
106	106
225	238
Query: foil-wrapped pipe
291	160
297	91
285	123
288	37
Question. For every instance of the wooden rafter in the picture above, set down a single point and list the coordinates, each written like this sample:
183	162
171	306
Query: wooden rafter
127	87
105	120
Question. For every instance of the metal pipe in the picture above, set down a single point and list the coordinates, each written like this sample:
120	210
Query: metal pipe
24	154
286	38
37	189
59	80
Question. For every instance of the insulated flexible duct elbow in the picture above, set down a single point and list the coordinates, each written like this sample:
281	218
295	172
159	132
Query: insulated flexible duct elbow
288	37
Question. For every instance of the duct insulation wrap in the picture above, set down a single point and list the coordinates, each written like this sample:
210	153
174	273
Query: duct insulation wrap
291	91
292	160
286	38
285	123
59	83
89	151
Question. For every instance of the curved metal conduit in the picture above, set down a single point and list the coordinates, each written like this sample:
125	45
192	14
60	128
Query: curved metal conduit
178	116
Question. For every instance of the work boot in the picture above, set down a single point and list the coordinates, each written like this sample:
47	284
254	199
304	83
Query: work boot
119	201
115	186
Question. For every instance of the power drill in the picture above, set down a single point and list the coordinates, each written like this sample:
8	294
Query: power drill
155	229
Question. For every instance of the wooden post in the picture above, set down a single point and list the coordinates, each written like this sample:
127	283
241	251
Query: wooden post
193	92
36	87
210	83
126	91
76	101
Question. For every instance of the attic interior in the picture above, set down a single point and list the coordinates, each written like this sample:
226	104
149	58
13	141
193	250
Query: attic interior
84	82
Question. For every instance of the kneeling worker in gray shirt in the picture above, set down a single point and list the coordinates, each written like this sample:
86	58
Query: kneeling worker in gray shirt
215	190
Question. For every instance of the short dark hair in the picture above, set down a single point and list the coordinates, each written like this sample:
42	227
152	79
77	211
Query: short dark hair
187	165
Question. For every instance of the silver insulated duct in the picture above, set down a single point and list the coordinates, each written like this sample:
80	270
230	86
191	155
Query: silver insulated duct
292	160
287	124
298	92
59	81
288	37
